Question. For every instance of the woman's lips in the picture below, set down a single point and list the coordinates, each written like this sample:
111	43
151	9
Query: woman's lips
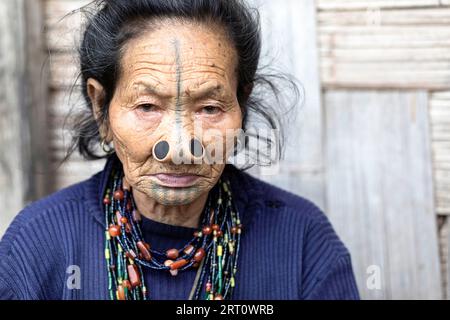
176	180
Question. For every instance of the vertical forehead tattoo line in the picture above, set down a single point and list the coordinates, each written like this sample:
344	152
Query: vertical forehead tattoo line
179	70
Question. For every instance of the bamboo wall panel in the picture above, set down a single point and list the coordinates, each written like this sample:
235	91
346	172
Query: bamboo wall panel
64	22
380	189
403	49
301	170
22	107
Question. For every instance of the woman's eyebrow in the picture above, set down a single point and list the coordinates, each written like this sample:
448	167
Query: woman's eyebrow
148	88
195	94
211	91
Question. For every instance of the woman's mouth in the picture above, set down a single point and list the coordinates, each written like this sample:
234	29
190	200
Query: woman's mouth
176	180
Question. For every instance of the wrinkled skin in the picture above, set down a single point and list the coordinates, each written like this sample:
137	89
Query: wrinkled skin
161	95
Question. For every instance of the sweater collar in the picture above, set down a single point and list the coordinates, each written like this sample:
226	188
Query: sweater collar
247	192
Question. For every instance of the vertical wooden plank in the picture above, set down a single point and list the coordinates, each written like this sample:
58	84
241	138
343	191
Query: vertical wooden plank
289	41
380	189
35	84
20	104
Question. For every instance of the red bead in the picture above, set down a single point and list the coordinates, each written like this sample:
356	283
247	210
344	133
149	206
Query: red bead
215	227
167	263
129	207
208	287
134	275
126	284
196	233
207	230
143	249
188	250
199	255
234	230
123	220
121	293
128	228
219	233
172	254
107	201
114	231
130	255
118	195
178	264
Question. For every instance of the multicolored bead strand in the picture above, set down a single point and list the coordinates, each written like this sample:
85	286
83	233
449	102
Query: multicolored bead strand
213	250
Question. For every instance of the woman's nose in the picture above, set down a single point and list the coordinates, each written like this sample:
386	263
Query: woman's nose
190	151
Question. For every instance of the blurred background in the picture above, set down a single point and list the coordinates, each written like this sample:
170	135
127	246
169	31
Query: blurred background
370	144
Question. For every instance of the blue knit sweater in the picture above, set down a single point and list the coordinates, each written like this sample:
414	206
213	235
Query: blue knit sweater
289	249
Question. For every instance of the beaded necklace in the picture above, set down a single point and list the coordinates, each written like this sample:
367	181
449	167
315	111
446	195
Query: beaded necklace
213	250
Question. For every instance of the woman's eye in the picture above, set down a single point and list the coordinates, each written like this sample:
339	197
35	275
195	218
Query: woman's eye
211	109
147	107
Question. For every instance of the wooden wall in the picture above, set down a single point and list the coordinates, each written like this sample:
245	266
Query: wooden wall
385	72
370	144
63	33
23	82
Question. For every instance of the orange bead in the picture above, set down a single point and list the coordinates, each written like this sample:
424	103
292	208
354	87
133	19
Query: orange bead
218	297
118	195
121	293
207	230
167	263
172	254
188	250
215	227
178	264
134	275
143	249
123	220
126	284
199	255
131	255
114	231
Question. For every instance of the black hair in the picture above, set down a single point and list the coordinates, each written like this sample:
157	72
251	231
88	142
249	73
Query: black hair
112	23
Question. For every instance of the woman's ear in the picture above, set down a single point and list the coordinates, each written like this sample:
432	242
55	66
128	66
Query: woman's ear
96	94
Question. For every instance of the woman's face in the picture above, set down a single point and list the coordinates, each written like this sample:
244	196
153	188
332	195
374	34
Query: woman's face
177	81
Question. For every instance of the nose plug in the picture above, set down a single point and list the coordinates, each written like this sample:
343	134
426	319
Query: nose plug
162	149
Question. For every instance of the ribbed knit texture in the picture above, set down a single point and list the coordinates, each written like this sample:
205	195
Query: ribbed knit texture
289	249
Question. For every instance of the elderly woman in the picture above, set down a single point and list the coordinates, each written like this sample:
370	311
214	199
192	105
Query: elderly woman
169	217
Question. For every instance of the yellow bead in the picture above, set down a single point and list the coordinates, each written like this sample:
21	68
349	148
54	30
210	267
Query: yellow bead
219	251
232	282
107	255
108	236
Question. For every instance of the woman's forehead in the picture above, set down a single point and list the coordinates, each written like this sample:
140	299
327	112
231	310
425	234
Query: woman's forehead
189	55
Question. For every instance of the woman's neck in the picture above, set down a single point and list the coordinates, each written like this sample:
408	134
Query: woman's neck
184	215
